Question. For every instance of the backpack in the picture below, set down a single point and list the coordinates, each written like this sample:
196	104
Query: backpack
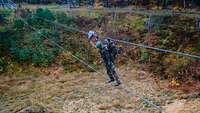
113	50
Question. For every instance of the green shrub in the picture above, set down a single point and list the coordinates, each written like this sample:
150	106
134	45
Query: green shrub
45	13
136	24
6	37
67	21
35	48
198	45
144	56
177	67
40	18
28	45
4	15
63	18
3	65
19	25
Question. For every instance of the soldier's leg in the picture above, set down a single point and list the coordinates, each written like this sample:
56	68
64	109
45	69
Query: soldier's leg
77	3
115	75
109	72
70	3
74	3
111	78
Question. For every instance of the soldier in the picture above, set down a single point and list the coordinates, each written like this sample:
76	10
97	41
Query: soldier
73	3
108	52
198	25
106	3
91	3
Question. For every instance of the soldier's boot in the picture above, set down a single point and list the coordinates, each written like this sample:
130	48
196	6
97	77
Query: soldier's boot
116	77
110	76
117	82
110	79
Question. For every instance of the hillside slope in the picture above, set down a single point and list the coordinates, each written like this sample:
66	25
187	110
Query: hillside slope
88	93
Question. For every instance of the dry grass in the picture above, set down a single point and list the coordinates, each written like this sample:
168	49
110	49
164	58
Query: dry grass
83	93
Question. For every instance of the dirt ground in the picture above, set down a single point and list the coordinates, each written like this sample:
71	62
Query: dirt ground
87	92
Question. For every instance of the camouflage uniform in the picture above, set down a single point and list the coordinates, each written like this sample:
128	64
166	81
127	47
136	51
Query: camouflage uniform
73	3
91	3
108	53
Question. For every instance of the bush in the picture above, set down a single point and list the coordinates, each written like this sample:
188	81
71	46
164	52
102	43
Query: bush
67	21
4	14
35	48
198	45
19	25
39	17
28	45
3	65
5	40
144	56
45	13
64	19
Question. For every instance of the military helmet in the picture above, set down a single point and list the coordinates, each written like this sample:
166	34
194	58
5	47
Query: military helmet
99	45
